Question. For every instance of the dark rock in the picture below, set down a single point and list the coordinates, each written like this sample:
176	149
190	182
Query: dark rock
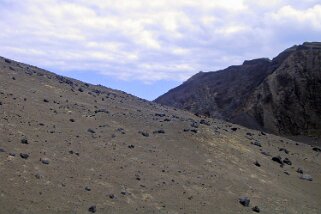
256	143
316	149
262	133
256	209
299	170
24	141
102	111
24	155
87	188
92	209
284	150
257	164
2	150
194	125
204	122
306	177
91	131
131	146
12	154
7	61
145	134
233	129
46	101
287	161
186	130
265	153
161	131
245	201
72	120
160	115
111	196
44	161
277	159
81	89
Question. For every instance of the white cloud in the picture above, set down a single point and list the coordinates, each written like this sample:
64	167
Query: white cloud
152	40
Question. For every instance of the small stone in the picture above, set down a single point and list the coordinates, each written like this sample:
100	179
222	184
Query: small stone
145	134
111	196
257	164
299	170
256	209
306	177
287	161
265	153
256	143
284	150
92	209
24	156
278	159
91	131
24	141
2	150
316	149
161	131
38	176
131	146
46	101
245	201
233	129
72	120
12	154
44	161
87	188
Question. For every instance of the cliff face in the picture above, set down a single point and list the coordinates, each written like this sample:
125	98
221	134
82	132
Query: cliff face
282	95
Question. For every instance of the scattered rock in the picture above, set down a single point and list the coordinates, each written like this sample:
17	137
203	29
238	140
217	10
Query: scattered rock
24	141
160	115
161	131
2	150
277	159
24	155
87	188
284	150
287	161
299	170
265	153
204	122
92	209
46	101
72	120
256	209
131	146
257	164
91	131
234	129
145	134
256	143
112	196
12	154
316	149
306	177
44	160
81	89
245	201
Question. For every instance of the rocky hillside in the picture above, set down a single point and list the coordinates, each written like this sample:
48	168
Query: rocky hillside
71	147
281	96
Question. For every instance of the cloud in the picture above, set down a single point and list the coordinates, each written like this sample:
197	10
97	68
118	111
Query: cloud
152	40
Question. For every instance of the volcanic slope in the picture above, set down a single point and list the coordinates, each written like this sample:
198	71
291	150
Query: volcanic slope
71	147
281	96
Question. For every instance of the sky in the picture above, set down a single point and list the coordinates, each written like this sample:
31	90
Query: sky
147	47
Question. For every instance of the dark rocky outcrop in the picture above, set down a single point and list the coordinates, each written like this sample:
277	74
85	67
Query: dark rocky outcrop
281	96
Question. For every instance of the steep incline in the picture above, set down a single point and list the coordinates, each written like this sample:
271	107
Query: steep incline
71	147
280	96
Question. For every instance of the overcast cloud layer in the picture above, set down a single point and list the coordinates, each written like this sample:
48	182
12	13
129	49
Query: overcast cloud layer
149	40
